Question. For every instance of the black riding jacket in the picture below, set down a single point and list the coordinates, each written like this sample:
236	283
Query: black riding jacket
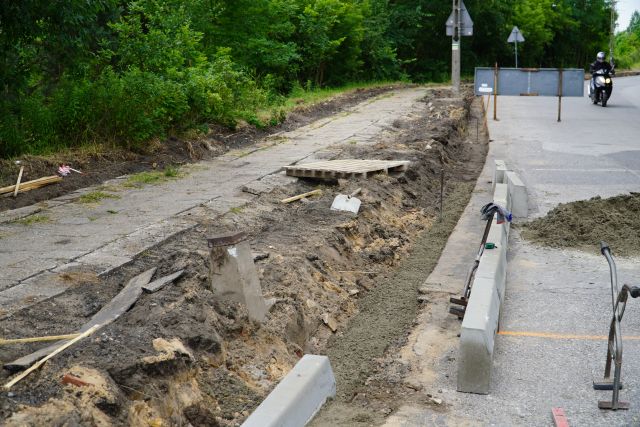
597	66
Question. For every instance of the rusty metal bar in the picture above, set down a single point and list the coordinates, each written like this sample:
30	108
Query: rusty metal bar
227	239
614	344
560	94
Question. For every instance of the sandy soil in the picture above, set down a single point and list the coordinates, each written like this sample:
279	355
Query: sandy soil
584	223
182	357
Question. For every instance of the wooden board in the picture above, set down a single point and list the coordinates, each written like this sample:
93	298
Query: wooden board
30	185
348	168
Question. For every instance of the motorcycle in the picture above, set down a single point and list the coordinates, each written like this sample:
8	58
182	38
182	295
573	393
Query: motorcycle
600	87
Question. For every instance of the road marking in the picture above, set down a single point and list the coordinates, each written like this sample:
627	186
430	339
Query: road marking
562	336
559	417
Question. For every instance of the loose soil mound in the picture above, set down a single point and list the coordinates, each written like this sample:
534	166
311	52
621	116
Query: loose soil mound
583	224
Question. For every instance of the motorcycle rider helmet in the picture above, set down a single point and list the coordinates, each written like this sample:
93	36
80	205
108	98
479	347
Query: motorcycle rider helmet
600	57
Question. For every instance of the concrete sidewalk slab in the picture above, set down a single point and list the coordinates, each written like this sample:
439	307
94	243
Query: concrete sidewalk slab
104	236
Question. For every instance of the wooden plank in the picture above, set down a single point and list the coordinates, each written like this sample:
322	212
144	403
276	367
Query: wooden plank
110	312
58	350
30	185
15	191
301	196
344	168
37	339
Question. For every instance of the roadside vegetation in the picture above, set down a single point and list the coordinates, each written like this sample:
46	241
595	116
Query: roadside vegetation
124	72
628	45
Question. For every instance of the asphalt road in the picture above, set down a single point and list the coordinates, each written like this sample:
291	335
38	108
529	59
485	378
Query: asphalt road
593	151
563	295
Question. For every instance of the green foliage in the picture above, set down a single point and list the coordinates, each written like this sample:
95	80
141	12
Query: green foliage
128	71
627	51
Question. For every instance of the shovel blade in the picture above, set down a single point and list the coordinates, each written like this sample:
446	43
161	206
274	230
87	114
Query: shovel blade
346	203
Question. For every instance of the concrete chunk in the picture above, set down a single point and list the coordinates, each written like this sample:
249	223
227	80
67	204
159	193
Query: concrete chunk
298	397
477	337
498	172
518	194
234	278
501	196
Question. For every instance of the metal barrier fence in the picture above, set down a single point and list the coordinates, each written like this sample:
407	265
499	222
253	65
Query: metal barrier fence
529	82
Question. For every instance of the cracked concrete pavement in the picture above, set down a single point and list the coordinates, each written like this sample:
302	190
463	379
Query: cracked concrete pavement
38	243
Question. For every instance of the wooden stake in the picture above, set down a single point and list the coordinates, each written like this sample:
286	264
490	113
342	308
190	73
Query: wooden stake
301	196
42	361
15	192
31	185
442	192
37	339
495	92
560	94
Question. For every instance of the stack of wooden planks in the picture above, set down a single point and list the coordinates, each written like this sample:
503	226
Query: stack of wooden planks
30	185
346	168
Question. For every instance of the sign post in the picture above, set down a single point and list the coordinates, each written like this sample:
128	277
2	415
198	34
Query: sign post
515	37
495	92
559	93
458	24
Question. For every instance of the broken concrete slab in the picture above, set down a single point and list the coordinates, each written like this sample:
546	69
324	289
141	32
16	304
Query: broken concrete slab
234	276
110	312
158	284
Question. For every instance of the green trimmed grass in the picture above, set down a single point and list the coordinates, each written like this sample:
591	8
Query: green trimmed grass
153	177
96	196
33	219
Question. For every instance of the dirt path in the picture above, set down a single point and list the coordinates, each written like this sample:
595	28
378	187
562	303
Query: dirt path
217	365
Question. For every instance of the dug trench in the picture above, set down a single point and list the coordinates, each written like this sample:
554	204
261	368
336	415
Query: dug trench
181	356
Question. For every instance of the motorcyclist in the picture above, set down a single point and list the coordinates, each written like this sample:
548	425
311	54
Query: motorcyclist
598	65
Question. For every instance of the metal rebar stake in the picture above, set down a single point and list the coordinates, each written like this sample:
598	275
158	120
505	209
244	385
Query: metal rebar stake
614	343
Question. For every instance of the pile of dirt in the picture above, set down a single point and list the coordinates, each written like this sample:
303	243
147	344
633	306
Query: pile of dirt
182	356
99	163
584	223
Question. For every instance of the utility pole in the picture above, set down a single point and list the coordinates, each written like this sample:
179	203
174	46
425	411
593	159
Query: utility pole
458	24
455	47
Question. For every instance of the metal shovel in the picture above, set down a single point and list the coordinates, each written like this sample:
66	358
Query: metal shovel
348	203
